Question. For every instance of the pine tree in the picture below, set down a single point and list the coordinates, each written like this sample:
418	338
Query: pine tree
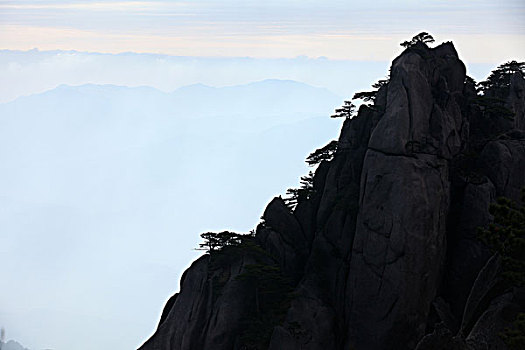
324	153
422	37
211	242
498	82
346	111
304	192
215	241
368	96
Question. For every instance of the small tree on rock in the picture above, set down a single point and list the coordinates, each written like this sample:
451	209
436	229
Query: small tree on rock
368	96
215	241
422	37
498	81
211	242
347	110
325	153
304	192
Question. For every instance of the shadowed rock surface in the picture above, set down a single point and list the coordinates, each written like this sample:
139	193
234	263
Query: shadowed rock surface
384	254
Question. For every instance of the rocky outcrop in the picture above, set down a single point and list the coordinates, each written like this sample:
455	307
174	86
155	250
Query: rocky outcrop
422	111
384	253
210	310
503	162
399	248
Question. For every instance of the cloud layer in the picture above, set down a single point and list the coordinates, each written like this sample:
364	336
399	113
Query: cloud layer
337	29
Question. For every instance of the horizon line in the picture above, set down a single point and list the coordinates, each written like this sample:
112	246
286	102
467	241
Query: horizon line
150	53
269	58
254	82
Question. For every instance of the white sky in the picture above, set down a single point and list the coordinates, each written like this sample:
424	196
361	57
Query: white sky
487	31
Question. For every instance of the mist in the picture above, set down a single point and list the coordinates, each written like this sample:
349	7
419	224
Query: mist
111	166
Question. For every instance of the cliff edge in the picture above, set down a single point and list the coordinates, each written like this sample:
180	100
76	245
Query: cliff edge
384	251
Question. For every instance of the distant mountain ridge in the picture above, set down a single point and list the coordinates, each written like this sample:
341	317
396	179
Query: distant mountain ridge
260	99
97	171
12	345
42	70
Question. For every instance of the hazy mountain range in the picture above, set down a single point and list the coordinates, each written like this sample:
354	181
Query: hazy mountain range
104	186
35	71
11	345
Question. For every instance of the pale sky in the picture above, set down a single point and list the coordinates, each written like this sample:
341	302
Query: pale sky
485	30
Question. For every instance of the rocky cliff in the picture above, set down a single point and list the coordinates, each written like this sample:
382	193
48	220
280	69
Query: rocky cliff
384	252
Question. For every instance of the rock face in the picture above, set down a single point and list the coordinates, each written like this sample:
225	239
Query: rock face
384	253
399	248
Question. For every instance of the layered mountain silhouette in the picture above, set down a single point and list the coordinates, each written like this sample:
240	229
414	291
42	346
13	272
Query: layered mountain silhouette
96	175
384	252
11	345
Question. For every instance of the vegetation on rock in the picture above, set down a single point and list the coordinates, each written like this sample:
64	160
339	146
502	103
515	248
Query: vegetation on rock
347	111
215	241
422	37
493	107
305	191
498	82
506	236
367	226
370	96
325	153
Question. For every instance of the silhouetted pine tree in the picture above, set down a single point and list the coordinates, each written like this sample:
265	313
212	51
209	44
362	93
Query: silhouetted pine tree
369	96
498	83
325	153
422	37
347	110
305	191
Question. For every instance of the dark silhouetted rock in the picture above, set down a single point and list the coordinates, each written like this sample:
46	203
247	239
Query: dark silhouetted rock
504	163
516	100
400	244
384	254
